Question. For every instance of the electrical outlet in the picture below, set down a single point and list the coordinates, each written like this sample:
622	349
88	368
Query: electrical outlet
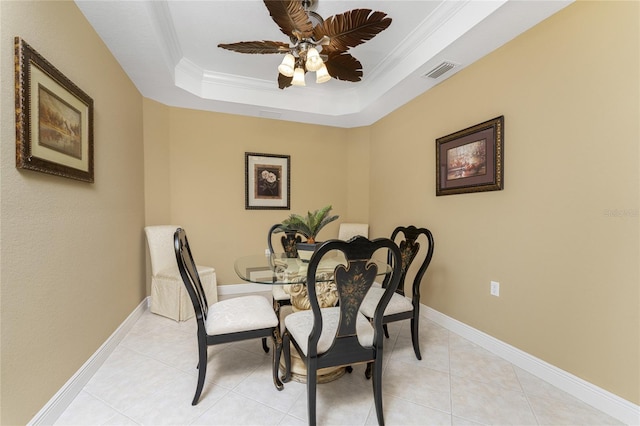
267	252
495	288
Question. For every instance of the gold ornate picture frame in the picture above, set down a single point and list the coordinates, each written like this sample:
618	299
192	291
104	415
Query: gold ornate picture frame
54	119
471	160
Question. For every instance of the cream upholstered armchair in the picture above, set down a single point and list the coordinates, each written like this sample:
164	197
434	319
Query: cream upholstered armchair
350	230
169	297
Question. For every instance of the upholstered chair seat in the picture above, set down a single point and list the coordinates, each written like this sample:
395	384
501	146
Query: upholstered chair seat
397	304
240	314
300	324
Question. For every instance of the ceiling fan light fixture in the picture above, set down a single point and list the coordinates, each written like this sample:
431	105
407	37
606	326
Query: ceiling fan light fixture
309	34
314	62
298	77
287	65
322	75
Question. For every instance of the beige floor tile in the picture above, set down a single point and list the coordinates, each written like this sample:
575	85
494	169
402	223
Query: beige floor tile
434	347
345	401
86	409
489	404
549	411
421	385
150	379
404	413
171	403
470	361
234	409
127	378
259	387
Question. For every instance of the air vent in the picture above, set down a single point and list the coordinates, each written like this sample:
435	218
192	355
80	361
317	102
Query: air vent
441	69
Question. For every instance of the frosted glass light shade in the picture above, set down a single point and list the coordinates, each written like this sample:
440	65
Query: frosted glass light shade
314	62
322	75
298	77
286	67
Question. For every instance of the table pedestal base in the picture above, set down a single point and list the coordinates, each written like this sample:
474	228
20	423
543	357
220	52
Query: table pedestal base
299	370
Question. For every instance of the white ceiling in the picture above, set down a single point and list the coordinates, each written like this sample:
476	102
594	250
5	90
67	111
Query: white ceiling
169	50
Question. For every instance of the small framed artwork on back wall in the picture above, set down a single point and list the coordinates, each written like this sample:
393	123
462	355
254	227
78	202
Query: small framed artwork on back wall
267	181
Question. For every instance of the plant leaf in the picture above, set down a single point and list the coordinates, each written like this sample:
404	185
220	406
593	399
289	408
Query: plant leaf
262	47
350	29
290	16
311	224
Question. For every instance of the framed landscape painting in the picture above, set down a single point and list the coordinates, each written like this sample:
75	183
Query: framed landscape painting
54	119
471	160
267	181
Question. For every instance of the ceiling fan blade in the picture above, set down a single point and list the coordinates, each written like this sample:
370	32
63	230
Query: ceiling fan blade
291	17
264	46
284	81
343	66
351	28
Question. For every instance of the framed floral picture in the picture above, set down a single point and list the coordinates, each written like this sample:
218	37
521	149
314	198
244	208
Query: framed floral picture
267	181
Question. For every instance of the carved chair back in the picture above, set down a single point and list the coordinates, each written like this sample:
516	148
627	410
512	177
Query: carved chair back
288	240
407	239
352	281
189	274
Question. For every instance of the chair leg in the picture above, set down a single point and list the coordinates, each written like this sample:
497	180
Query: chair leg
312	377
367	372
277	343
286	347
265	347
386	331
377	390
202	370
414	337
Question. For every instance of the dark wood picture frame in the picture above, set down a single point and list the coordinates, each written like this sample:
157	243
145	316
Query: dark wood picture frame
54	118
267	181
471	160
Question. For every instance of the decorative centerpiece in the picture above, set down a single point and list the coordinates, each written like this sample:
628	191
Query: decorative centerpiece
309	226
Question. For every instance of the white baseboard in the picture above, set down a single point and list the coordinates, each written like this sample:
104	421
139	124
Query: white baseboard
61	400
599	398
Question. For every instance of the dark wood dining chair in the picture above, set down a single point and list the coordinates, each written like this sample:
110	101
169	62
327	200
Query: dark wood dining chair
231	320
289	241
400	307
341	335
280	296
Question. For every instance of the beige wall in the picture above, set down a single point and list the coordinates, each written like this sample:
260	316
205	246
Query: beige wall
205	167
358	187
568	268
72	260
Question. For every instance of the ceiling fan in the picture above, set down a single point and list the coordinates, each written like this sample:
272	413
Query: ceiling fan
315	44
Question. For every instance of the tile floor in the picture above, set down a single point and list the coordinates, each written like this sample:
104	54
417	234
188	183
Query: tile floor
150	379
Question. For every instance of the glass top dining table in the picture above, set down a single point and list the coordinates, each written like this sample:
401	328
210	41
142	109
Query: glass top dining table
279	269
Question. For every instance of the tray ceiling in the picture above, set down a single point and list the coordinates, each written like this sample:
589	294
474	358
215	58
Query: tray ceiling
169	50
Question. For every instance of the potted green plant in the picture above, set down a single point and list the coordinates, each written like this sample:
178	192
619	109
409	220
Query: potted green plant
309	226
